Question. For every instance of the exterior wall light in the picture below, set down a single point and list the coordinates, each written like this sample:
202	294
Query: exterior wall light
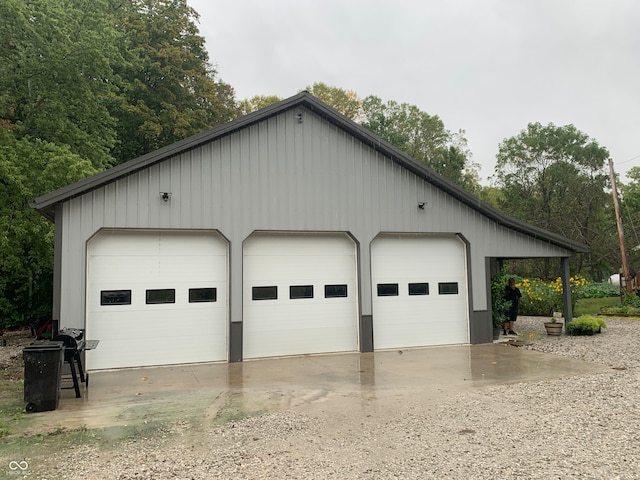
421	205
166	196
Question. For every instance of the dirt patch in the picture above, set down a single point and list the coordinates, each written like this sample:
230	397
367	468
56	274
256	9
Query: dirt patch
11	364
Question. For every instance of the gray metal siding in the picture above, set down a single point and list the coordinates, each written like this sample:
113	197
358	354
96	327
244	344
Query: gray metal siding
282	175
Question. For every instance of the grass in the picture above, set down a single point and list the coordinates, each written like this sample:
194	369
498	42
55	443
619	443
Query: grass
234	410
593	306
12	414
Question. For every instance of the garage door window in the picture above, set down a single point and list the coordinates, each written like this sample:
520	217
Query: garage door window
335	291
264	293
387	289
418	289
115	297
198	295
448	288
301	291
166	295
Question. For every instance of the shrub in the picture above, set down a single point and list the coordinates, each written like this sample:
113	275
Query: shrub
499	306
585	325
601	290
630	306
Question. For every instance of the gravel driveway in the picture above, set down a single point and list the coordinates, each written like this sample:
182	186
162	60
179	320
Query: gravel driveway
585	427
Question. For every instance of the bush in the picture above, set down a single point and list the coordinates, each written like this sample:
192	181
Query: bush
630	305
499	306
585	325
601	290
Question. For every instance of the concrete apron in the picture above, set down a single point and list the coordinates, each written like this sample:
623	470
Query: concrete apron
350	381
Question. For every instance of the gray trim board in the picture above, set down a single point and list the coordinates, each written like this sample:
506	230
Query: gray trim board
478	331
469	274
235	342
366	333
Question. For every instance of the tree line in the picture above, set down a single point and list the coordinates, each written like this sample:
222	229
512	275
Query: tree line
85	86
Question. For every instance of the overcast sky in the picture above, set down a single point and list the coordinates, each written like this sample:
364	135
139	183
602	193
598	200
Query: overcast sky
488	67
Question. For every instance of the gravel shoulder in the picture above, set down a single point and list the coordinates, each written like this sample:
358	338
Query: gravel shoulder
585	427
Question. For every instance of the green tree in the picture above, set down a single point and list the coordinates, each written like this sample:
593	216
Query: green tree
169	89
492	195
83	86
554	177
56	74
344	101
630	213
423	137
406	127
29	168
256	102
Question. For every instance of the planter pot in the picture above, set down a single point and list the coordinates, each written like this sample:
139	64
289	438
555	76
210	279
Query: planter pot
553	328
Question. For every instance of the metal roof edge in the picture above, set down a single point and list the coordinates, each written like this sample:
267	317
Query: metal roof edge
439	181
140	163
45	204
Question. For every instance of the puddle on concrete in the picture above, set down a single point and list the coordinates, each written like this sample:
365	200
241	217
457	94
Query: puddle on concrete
217	393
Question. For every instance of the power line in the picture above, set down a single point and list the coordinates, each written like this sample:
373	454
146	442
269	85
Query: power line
627	161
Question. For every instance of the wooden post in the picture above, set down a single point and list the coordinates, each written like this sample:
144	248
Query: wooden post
623	254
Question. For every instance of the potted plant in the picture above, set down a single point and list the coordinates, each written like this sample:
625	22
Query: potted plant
553	326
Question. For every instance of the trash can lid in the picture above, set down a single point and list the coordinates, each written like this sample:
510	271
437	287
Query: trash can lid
44	346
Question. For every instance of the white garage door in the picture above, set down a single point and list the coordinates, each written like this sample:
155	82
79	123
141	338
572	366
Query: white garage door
300	294
419	291
156	298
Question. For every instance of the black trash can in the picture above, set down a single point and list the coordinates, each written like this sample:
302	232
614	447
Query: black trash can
42	373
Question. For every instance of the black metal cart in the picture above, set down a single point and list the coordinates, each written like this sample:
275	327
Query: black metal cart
74	346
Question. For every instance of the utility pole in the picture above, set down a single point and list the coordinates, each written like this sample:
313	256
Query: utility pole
623	254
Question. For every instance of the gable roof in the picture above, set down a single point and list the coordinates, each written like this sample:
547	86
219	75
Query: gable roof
46	204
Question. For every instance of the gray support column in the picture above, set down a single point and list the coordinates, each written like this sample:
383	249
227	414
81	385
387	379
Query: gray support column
57	265
235	342
483	332
566	295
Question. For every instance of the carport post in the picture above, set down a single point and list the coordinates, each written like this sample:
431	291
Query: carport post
566	293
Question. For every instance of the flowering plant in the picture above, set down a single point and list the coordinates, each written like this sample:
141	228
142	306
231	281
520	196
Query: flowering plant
543	298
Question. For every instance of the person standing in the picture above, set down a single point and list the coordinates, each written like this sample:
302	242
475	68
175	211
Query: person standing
512	295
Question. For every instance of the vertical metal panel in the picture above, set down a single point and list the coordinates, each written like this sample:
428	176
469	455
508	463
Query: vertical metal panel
282	174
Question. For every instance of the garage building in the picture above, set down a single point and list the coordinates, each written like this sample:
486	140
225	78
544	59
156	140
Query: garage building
290	231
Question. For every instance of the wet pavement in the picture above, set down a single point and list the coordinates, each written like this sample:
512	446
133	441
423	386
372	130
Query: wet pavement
345	381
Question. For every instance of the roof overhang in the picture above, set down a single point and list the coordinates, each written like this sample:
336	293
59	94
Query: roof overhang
46	204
